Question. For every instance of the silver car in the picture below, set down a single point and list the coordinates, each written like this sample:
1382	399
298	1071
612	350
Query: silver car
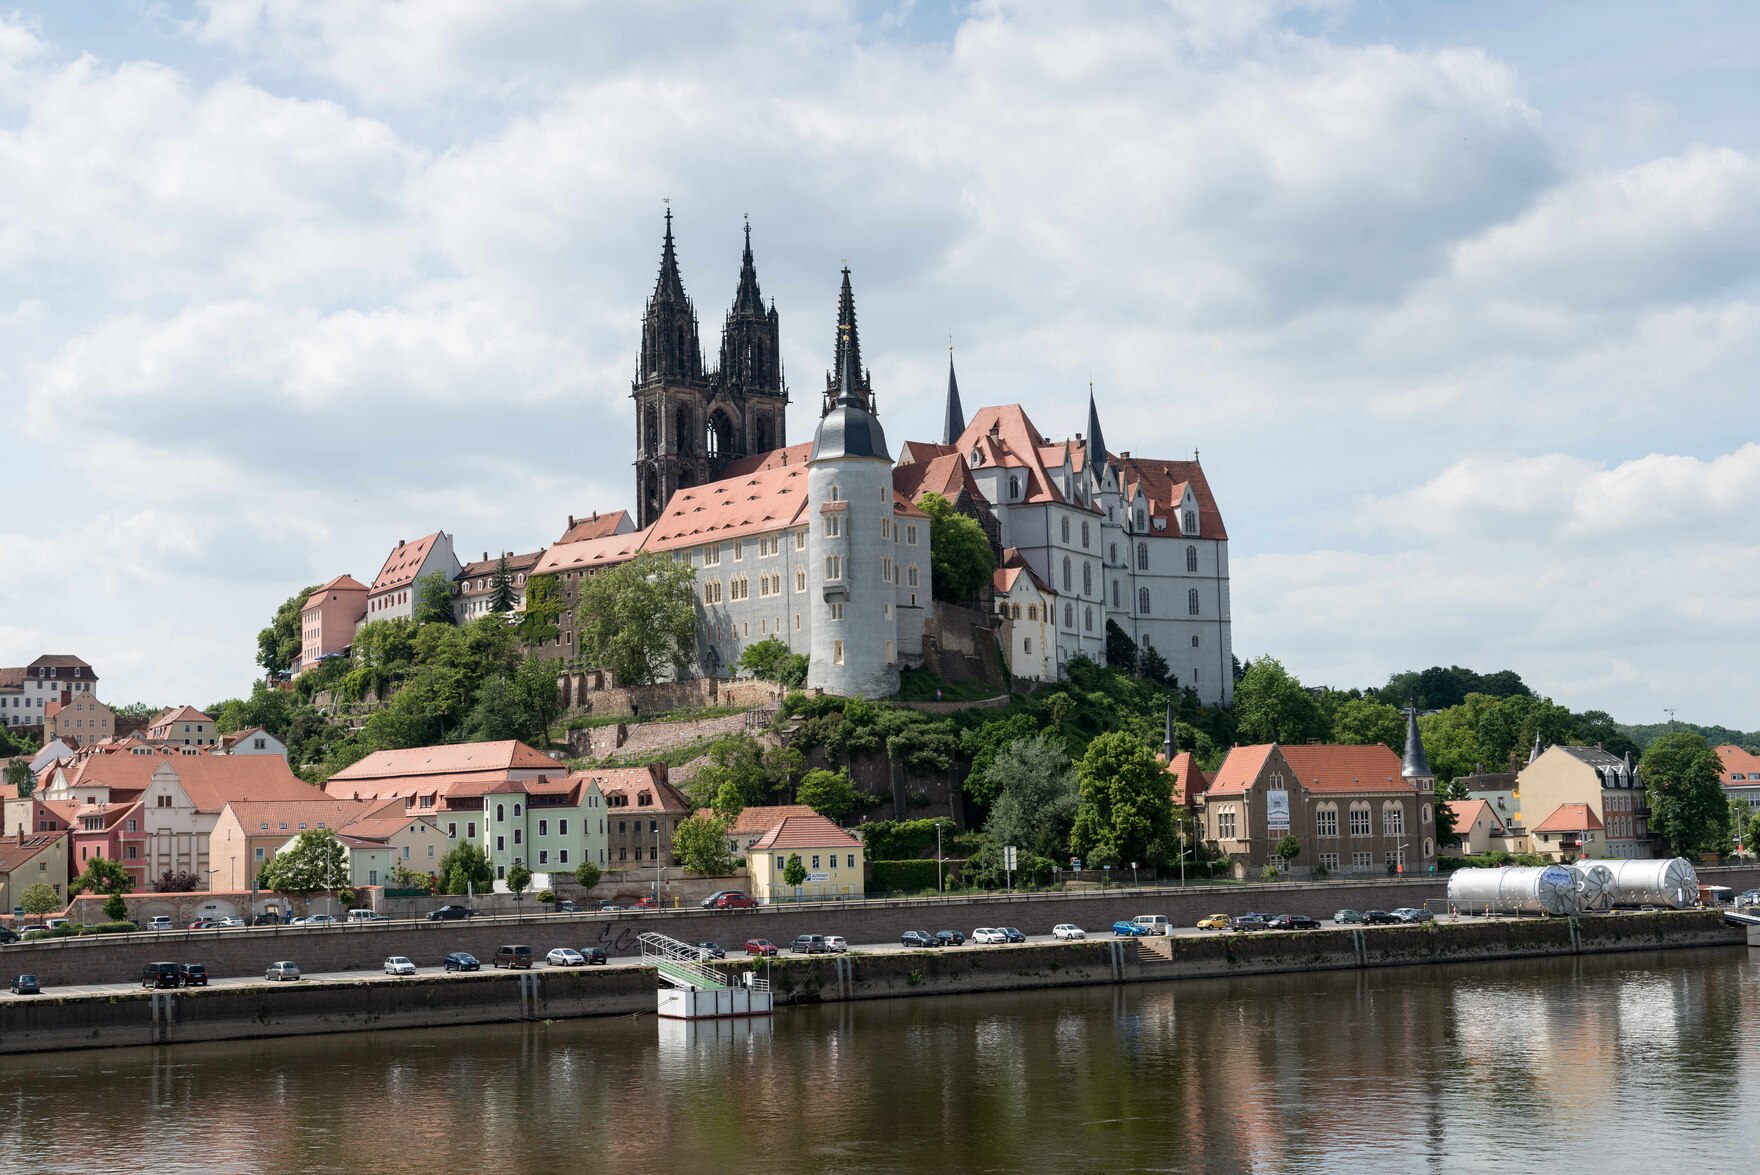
398	965
282	970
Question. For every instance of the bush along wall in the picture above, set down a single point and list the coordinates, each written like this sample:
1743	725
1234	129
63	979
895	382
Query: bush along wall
902	876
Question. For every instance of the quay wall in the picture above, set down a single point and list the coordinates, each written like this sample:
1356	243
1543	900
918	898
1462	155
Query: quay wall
377	1002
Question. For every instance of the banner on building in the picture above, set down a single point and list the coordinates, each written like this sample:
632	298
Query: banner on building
1277	811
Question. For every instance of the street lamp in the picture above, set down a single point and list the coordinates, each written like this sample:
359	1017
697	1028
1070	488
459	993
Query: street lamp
940	884
1133	874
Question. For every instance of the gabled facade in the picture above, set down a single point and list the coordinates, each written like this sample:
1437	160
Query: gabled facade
547	825
834	860
32	860
328	620
252	741
79	720
392	595
475	589
183	726
1579	798
27	690
1741	775
1026	607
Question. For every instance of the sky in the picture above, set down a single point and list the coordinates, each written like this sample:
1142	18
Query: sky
1458	302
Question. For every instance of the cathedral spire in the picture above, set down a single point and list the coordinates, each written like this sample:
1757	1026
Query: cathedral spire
1416	765
1096	455
669	287
955	421
747	300
849	347
670	348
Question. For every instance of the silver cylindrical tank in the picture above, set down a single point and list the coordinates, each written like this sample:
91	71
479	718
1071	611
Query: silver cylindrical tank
1514	889
1594	886
1654	883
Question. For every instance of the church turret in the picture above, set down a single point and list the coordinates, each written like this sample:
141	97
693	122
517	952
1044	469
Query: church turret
849	347
850	544
954	422
1095	458
670	391
748	399
1416	767
670	348
1537	748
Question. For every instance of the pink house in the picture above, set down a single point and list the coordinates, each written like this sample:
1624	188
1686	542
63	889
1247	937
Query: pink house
328	621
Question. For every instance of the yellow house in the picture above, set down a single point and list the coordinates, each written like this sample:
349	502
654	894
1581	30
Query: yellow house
832	857
1584	802
30	860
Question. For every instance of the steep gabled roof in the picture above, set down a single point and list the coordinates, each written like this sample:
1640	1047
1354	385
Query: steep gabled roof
1189	780
758	820
487	566
1008	573
213	781
178	714
403	563
1239	770
1739	762
1467	812
745	504
805	832
597	526
587	554
1570	818
630	782
1163	483
451	759
342	583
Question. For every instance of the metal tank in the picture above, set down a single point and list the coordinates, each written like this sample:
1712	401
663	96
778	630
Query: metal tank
1513	889
1594	886
1654	883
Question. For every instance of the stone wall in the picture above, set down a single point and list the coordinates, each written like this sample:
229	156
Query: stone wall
593	692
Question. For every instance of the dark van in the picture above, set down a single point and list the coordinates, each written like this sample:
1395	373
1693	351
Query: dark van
161	975
193	974
512	957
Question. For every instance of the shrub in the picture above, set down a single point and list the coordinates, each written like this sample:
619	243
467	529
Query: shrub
546	895
117	927
1269	873
1320	873
903	876
347	897
904	840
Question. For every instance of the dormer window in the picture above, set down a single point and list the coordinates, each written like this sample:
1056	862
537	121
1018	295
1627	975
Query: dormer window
1014	485
1190	521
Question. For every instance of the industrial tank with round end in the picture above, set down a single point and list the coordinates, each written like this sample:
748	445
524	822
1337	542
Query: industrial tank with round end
1594	886
1671	883
1513	889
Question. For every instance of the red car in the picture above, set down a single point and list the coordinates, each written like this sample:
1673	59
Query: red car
735	901
760	946
647	904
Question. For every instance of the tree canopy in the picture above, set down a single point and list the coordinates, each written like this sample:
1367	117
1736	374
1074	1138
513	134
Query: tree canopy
959	552
1271	706
278	645
40	899
465	868
1125	809
1683	778
502	596
434	599
770	660
700	844
829	793
314	862
102	875
639	619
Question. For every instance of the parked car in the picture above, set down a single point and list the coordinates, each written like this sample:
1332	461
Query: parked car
55	923
918	938
198	924
451	914
398	965
808	944
9	935
159	922
567	907
708	903
318	920
1294	922
260	920
461	961
988	934
512	957
1013	934
760	947
26	985
160	975
647	904
710	950
836	944
951	938
1154	923
1126	928
366	916
595	956
735	900
1413	914
1068	932
281	971
1348	918
1250	922
228	922
1379	918
565	957
192	974
1214	922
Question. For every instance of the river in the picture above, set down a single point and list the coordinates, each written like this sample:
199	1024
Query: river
1626	1063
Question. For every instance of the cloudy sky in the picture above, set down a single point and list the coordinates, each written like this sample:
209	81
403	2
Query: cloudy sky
1458	301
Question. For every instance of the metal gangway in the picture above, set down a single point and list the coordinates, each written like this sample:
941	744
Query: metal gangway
695	991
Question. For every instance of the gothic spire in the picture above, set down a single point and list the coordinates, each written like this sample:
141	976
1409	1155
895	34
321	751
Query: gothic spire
747	300
1537	749
1096	456
955	421
848	340
1417	764
669	287
670	347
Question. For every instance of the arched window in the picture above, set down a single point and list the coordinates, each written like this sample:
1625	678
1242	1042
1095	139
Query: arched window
1084	536
1014	612
1032	611
1429	846
1192	601
1393	819
650	429
1087	578
1069	615
763	434
1194	642
1191	522
1142	556
500	812
1014	488
681	431
1112	552
1326	820
1143	601
1191	559
1065	529
1066	586
1426	818
1139	518
1088	618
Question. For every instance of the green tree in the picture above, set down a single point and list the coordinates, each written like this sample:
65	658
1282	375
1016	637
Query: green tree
638	619
115	907
278	645
1359	722
465	868
519	878
960	554
586	875
1684	779
543	611
434	599
700	844
1287	850
40	899
794	873
501	593
102	875
728	802
1121	650
1125	810
1036	793
770	660
1272	706
1752	838
1152	666
829	793
19	778
316	861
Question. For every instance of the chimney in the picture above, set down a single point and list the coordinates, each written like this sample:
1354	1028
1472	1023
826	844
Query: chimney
571	522
595	516
485	556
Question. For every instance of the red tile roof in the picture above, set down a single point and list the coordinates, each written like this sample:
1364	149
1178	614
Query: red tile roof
178	714
1737	761
1466	812
805	832
459	759
598	526
1372	768
1570	818
756	821
1189	780
342	583
1010	570
321	809
591	553
745	504
629	783
15	852
1239	770
403	563
1163	484
489	566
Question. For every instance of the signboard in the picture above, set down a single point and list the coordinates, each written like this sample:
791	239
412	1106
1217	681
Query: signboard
818	877
1276	811
1008	857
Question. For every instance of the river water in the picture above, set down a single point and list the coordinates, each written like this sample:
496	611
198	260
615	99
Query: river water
1630	1063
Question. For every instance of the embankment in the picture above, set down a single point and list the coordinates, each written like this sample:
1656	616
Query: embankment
376	1002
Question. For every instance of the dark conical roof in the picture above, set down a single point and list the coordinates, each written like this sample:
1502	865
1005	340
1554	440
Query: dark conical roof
747	299
1416	765
955	421
670	348
848	428
669	287
849	346
1096	443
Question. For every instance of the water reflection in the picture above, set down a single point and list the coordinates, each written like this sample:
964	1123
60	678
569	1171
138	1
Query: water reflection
1620	1064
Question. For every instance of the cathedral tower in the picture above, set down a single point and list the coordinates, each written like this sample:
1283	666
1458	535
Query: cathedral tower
670	391
748	399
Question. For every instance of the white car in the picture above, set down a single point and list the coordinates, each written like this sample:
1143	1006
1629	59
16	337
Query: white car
837	944
988	934
398	965
315	920
159	922
565	957
1068	932
366	916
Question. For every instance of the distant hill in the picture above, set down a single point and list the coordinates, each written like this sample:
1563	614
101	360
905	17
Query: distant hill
1715	735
